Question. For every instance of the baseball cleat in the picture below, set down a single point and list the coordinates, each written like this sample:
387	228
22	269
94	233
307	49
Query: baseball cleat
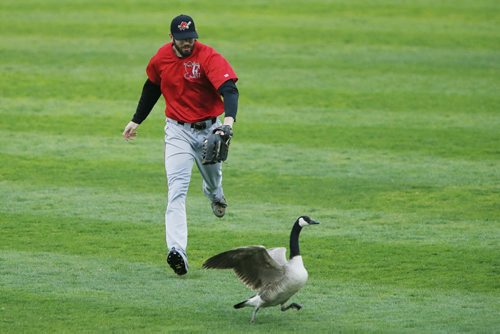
219	207
177	260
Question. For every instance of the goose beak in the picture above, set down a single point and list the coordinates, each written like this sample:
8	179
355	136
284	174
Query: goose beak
313	222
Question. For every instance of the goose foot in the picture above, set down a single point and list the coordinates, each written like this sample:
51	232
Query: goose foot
292	305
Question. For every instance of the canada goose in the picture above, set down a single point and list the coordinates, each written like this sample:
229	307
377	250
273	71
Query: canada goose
267	271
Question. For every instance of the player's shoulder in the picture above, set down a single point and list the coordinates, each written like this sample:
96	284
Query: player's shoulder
205	50
165	47
164	51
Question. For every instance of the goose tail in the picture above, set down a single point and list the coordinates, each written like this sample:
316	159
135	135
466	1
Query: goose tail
254	301
240	305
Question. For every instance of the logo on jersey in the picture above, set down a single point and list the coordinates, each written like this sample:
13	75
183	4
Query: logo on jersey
192	70
184	25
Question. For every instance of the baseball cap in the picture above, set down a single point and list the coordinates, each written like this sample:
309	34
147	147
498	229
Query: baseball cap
182	27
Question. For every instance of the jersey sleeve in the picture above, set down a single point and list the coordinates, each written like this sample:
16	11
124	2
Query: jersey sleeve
219	70
152	72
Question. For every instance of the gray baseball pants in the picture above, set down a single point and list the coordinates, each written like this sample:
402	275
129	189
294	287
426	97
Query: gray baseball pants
183	148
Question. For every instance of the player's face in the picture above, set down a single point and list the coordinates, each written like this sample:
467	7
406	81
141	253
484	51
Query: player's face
184	46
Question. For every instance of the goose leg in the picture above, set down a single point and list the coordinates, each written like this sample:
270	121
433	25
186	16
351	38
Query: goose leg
254	313
292	305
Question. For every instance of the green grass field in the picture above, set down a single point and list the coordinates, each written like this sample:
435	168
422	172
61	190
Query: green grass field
380	119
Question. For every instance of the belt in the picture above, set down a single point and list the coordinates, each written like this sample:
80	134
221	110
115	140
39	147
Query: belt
201	125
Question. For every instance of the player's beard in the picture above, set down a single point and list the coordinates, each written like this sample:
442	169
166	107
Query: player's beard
185	51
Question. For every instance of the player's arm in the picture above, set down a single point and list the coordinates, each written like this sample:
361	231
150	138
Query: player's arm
230	93
149	96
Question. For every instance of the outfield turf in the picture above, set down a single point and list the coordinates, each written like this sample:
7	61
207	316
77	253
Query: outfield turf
380	119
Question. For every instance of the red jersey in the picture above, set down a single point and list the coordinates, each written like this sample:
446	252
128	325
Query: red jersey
189	85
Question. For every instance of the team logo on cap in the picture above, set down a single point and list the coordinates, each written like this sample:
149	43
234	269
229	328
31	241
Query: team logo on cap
184	25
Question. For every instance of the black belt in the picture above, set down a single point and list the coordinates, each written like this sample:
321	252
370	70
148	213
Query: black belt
201	125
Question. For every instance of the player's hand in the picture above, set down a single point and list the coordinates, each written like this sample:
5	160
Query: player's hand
225	131
130	131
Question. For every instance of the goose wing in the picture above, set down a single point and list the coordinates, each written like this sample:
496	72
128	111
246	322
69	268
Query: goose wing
253	265
278	254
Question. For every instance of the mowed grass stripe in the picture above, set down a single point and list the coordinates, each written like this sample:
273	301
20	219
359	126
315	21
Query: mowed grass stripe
113	111
453	142
474	64
413	263
411	266
381	28
379	303
392	193
288	98
384	165
92	50
418	224
343	80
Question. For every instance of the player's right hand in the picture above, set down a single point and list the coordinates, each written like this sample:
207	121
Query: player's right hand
129	133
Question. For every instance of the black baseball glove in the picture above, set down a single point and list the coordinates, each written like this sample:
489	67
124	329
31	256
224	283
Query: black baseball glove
216	145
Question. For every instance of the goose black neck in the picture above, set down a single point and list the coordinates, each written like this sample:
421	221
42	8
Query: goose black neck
294	240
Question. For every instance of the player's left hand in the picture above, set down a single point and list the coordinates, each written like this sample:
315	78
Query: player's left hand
225	131
216	145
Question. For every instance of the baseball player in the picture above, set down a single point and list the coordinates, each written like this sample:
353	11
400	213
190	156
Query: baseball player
198	85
